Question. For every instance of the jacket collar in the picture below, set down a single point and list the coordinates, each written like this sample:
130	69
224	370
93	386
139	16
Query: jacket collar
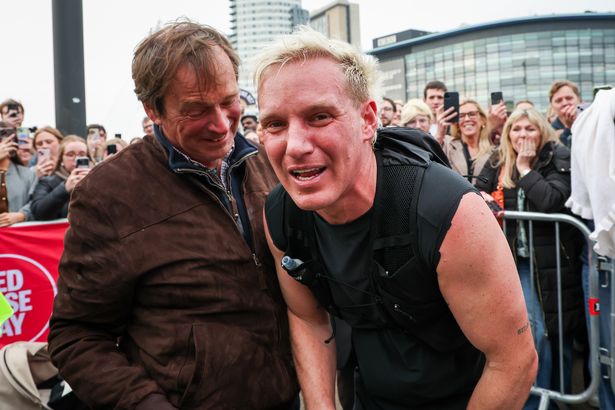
545	155
179	161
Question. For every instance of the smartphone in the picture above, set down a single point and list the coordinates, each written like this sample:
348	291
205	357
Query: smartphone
451	99
23	134
43	154
582	107
496	97
94	134
82	162
111	149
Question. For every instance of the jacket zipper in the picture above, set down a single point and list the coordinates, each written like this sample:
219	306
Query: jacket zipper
228	193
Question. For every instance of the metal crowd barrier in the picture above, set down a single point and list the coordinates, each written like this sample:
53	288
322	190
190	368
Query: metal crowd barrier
594	339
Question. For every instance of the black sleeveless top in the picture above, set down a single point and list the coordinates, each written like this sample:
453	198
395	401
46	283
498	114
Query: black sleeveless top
395	369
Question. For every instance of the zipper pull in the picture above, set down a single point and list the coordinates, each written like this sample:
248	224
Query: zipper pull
256	261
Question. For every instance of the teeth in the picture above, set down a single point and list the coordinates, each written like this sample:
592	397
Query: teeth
298	173
303	171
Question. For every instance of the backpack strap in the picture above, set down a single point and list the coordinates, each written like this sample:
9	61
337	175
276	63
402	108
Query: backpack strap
394	227
301	244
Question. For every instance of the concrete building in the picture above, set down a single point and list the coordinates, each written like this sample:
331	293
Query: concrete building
520	57
256	23
338	20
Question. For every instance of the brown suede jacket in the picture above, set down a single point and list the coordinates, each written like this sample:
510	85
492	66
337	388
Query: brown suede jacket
161	302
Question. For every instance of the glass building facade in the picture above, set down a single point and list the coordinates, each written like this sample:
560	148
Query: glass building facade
256	23
521	58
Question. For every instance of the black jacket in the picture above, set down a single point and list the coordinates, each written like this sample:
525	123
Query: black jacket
50	199
547	187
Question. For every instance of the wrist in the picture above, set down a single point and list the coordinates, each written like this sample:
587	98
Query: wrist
524	171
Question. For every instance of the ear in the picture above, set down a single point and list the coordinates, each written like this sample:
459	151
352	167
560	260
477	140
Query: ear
152	113
369	115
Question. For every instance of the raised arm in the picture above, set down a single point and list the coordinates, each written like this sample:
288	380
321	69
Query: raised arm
309	328
483	291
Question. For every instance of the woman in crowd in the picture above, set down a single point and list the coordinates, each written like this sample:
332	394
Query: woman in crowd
46	142
469	147
16	181
416	114
531	172
119	144
52	193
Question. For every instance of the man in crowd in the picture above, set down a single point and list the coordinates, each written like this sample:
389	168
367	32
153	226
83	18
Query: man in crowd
564	97
249	122
96	139
329	213
433	95
148	126
167	295
12	112
387	112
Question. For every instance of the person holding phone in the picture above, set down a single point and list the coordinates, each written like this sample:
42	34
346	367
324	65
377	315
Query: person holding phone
530	171
12	112
52	193
469	146
113	146
96	139
497	116
16	180
46	143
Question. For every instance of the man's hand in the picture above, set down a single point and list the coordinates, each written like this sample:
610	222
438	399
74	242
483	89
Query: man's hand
10	218
567	115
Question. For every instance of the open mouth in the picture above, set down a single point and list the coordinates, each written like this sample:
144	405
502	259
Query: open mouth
307	174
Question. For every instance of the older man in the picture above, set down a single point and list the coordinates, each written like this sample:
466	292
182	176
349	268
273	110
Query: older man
167	296
564	97
423	305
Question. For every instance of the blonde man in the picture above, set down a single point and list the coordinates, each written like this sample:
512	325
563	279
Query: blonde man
327	229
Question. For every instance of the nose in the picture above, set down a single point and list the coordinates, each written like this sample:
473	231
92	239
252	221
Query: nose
298	142
220	122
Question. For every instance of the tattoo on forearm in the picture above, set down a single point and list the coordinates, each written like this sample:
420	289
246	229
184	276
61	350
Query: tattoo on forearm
523	329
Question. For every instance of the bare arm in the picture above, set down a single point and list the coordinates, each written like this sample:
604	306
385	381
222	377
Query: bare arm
309	328
483	291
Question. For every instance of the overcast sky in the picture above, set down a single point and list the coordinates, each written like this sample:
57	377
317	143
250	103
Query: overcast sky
112	28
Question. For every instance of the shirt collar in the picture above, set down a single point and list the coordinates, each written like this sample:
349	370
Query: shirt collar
180	160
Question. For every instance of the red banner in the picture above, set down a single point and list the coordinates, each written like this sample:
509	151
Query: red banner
29	259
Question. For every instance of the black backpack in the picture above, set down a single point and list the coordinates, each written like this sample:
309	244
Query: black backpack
404	288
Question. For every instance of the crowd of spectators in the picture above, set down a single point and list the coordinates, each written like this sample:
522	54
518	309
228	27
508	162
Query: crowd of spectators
520	160
40	166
